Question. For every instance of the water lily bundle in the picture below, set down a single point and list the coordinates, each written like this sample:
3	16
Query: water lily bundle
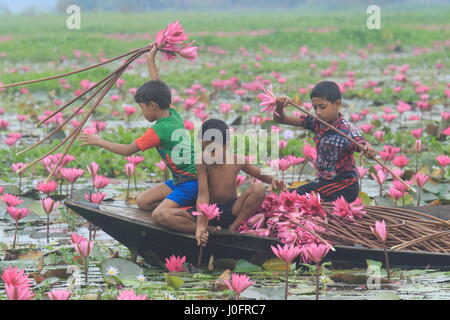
172	42
301	220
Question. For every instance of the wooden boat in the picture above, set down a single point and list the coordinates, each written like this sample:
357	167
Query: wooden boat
135	229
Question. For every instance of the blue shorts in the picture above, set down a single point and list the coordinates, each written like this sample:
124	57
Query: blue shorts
184	194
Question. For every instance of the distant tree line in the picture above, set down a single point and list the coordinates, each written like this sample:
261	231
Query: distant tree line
146	5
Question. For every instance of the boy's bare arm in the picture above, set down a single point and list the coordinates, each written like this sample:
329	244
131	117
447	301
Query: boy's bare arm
122	149
152	69
255	172
202	198
280	117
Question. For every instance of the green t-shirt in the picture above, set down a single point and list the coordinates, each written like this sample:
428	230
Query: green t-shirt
173	143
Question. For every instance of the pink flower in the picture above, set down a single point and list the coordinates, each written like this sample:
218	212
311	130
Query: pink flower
309	152
284	164
93	169
238	283
189	52
417	133
71	174
11	200
18	213
400	161
101	182
380	231
316	252
18	292
84	248
268	99
76	238
418	145
287	253
130	169
49	205
420	179
443	160
379	177
15	277
17	166
130	295
257	221
135	160
367	127
161	165
403	106
240	180
95	197
175	264
211	211
395	193
129	110
59	294
48	187
361	171
344	209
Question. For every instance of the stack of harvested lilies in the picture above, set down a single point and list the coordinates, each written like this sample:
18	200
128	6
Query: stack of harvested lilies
304	219
171	42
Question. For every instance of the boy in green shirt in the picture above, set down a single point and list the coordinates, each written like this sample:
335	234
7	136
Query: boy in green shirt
154	98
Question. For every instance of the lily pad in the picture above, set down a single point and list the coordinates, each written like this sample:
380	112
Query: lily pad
385	295
243	266
275	293
173	281
127	269
274	264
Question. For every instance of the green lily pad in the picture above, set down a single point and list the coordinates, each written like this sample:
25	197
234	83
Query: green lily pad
127	269
243	266
386	295
275	293
384	202
173	281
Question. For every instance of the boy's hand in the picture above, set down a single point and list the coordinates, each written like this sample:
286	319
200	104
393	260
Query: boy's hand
202	234
89	140
282	101
277	184
369	150
152	53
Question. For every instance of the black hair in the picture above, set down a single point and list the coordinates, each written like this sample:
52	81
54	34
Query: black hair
154	91
327	90
213	127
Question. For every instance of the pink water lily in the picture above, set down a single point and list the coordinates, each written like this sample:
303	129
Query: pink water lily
18	213
238	283
420	179
71	174
11	200
361	171
18	292
93	169
135	159
175	263
189	52
84	248
130	295
443	160
49	205
342	208
76	238
400	161
268	100
59	294
210	211
95	197
316	252
101	182
380	231
287	253
15	277
17	166
48	187
130	169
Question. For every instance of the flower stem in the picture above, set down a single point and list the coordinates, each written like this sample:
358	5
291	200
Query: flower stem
135	183
418	197
317	280
386	258
48	226
128	190
15	235
286	282
86	270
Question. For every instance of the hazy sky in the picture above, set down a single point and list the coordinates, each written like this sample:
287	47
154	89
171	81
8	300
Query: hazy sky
19	5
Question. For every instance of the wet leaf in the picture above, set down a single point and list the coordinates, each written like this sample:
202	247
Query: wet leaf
173	281
127	269
385	295
243	266
219	284
274	264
